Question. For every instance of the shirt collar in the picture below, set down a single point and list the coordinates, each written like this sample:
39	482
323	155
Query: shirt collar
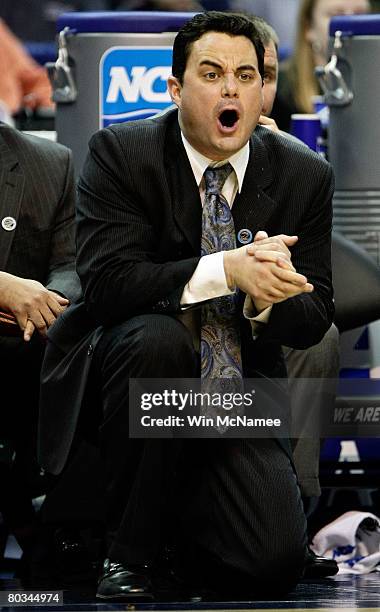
199	162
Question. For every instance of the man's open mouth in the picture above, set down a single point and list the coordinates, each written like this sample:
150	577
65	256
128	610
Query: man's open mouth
228	118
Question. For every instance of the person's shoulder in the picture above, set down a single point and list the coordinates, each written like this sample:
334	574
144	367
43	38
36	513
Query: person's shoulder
284	142
284	148
23	143
151	127
145	137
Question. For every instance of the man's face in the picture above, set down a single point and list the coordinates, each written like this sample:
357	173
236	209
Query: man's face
220	99
270	77
323	11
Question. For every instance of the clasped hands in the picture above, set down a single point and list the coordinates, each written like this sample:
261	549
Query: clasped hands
264	270
34	306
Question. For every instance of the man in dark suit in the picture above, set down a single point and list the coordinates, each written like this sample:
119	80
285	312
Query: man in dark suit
139	243
37	282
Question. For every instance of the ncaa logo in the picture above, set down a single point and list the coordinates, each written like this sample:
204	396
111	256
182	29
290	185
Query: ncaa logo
133	83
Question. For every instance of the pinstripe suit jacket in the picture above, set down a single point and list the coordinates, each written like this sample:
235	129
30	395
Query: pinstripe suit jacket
138	236
37	191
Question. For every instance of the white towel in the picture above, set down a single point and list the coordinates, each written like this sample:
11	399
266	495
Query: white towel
353	540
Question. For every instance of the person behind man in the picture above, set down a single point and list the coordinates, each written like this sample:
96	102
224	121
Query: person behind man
320	361
297	80
140	262
37	283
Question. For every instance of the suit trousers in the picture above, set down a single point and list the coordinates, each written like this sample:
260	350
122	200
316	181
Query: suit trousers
321	362
237	501
20	375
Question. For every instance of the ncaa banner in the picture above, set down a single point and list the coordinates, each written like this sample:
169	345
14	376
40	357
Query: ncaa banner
133	83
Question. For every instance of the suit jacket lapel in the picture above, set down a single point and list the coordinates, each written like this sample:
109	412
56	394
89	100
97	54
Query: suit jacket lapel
253	207
187	208
11	191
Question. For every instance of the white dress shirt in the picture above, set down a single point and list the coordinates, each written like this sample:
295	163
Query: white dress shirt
209	280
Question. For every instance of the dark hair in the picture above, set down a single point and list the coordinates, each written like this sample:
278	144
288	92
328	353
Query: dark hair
213	21
266	32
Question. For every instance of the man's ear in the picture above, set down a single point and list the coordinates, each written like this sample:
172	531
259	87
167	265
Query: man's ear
174	89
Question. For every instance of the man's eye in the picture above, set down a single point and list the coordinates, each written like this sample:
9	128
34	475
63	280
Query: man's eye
245	76
211	76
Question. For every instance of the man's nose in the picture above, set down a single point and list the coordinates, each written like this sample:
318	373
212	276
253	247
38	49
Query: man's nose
230	85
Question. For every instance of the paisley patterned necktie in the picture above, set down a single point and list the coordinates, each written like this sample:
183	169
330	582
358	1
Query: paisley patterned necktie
220	334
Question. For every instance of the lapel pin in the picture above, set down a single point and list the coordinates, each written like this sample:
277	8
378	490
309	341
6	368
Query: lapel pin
244	236
8	224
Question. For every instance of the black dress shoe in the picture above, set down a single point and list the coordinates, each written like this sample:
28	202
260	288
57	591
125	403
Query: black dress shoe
319	567
127	583
169	584
70	553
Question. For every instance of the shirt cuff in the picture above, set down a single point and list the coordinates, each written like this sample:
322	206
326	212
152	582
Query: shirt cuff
207	282
256	320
